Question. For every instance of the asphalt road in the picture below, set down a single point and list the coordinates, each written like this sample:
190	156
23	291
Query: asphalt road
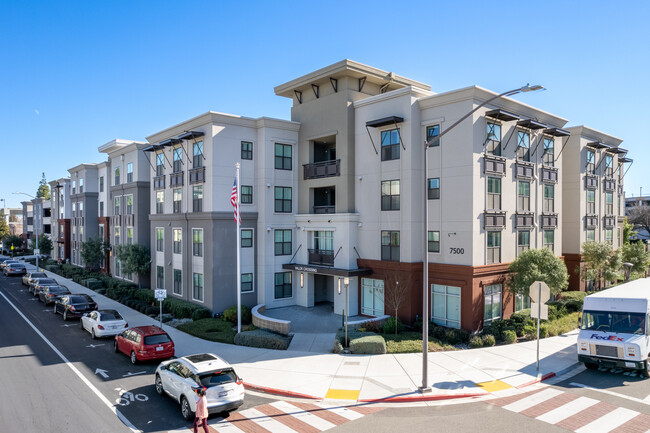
88	391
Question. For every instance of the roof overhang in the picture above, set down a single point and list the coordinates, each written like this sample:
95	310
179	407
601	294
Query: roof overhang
384	121
325	270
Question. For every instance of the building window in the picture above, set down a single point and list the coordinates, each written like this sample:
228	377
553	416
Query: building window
434	242
549	240
101	208
591	235
523	146
282	242
101	231
521	302
548	158
493	145
117	235
246	283
160	277
116	207
549	198
81	209
197	198
523	241
178	282
432	132
160	239
609	168
101	183
74	186
609	233
197	287
129	204
197	155
160	164
177	164
390	145
246	238
591	162
129	172
523	195
118	267
178	199
247	150
197	242
81	186
618	236
283	287
283	199
591	201
246	194
283	156
372	297
390	245
433	188
492	304
493	247
177	237
445	305
117	175
129	235
494	193
609	203
160	201
324	240
390	195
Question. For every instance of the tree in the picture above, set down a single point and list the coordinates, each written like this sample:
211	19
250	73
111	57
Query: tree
4	227
92	252
537	265
635	253
134	259
43	190
44	244
628	231
12	240
640	217
600	262
394	296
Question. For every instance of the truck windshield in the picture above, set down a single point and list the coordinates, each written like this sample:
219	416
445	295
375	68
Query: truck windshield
609	321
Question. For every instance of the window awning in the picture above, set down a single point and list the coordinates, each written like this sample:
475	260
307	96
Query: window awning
152	148
190	135
557	132
618	150
384	121
624	159
326	270
597	145
170	142
506	116
531	124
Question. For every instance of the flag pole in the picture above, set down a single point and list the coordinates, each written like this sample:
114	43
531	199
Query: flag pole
238	255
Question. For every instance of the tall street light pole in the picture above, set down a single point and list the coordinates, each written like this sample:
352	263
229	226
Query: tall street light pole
425	263
36	200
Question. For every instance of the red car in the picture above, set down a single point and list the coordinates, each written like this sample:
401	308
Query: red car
144	343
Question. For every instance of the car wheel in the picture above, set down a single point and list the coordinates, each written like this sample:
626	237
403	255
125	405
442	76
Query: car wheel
591	366
92	333
159	385
185	409
115	346
646	371
134	360
65	315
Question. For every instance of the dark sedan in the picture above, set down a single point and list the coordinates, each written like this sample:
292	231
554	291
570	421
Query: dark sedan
39	283
74	305
15	269
50	294
29	277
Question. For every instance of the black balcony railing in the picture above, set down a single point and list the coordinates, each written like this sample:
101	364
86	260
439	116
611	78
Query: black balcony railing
322	169
176	179
159	182
197	175
321	257
324	209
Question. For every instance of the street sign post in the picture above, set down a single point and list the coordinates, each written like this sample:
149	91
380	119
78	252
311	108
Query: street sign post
539	292
160	295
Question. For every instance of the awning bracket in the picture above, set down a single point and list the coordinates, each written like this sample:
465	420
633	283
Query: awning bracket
294	254
371	140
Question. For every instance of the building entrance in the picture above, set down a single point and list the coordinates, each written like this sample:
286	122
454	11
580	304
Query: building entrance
323	289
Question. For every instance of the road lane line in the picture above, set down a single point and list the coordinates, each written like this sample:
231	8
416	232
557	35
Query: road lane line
74	369
604	391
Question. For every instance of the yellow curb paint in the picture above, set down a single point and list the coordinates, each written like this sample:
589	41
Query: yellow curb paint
495	385
342	394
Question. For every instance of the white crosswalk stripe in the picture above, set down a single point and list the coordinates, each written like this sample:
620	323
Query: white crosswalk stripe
224	426
609	422
345	413
302	415
266	421
532	400
566	410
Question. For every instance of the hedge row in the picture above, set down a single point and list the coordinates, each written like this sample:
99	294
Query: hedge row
360	342
263	338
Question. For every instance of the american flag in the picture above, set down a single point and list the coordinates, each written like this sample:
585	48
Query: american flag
233	201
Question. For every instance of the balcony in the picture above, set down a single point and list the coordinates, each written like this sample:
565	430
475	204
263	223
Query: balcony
620	189
494	165
609	221
524	220
591	181
322	169
549	221
321	257
609	184
549	174
524	170
159	182
494	220
324	209
176	179
591	222
197	175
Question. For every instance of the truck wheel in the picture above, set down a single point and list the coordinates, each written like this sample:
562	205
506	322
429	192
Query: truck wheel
591	366
646	371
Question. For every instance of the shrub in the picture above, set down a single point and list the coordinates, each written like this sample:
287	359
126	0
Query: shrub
489	340
101	291
509	336
573	295
338	348
543	330
94	284
392	324
231	314
150	309
451	337
262	338
53	268
374	326
530	330
371	344
144	295
201	313
208	329
475	342
437	332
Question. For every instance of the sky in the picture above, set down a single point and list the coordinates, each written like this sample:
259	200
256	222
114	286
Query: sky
75	75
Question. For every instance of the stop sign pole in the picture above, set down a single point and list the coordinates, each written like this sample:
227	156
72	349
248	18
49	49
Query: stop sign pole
539	292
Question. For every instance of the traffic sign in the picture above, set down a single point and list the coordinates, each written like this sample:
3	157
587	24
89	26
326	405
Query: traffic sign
37	251
160	294
539	292
537	308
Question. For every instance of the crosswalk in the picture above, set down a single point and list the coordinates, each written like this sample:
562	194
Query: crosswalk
573	412
289	417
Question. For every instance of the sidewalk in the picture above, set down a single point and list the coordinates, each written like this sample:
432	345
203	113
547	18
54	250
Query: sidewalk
365	378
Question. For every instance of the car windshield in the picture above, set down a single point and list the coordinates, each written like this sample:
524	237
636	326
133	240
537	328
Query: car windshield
38	275
78	300
613	321
156	339
105	317
57	290
216	378
43	281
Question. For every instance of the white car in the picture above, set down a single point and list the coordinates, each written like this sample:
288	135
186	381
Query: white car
103	323
182	377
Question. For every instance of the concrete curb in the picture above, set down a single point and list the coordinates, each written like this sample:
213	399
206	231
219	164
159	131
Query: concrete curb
418	398
548	376
280	392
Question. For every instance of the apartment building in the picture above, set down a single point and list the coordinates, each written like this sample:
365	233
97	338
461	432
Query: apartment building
84	189
193	231
14	219
60	190
103	218
28	219
124	185
594	200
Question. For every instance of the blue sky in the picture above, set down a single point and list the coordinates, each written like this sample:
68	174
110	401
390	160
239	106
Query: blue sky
75	75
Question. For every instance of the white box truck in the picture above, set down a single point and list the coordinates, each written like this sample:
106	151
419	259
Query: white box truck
615	328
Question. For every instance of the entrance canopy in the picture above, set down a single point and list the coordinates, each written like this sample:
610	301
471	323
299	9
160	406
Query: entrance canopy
326	270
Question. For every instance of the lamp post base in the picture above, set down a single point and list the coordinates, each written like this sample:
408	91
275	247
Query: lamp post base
424	390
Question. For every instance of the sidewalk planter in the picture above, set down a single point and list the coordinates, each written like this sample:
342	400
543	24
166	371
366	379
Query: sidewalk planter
372	344
264	322
263	338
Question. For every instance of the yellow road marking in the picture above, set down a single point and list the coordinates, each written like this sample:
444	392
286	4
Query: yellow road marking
492	386
342	394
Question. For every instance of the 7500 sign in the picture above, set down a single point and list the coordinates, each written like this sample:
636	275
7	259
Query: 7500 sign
456	250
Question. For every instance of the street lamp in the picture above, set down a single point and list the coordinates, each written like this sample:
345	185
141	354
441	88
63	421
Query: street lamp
627	268
425	281
35	223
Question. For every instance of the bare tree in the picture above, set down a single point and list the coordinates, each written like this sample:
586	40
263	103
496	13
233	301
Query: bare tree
640	217
395	293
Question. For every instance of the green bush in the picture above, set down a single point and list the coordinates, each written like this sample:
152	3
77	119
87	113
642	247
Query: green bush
389	326
437	332
573	295
149	310
543	330
475	342
201	313
372	344
145	295
231	315
53	268
489	340
338	348
509	336
101	291
94	284
530	330
262	338
374	326
208	329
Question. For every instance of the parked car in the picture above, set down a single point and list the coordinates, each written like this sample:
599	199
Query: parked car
103	323
15	269
74	305
30	276
8	262
144	343
49	294
39	283
181	378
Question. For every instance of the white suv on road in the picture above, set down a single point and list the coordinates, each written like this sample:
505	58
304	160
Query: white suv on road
182	377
